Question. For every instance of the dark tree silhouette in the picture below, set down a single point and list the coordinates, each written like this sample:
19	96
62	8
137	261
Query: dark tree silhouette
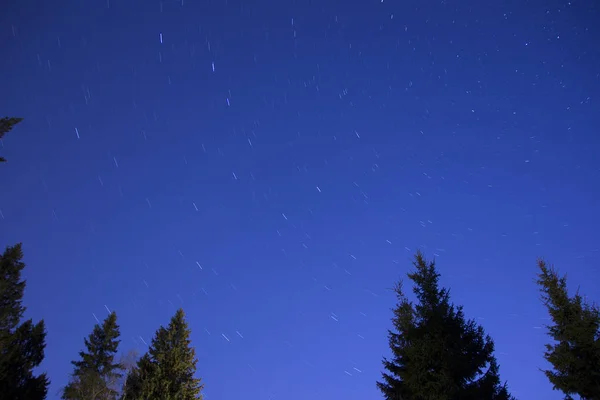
21	344
6	124
96	373
575	331
436	353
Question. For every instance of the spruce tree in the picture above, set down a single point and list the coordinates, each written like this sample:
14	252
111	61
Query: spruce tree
575	330
96	373
166	371
437	353
21	344
6	124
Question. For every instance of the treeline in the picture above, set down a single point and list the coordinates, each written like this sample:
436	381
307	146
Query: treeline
166	372
436	352
439	354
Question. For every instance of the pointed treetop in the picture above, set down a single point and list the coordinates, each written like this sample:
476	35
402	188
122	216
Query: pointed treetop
22	344
436	352
96	372
575	331
168	370
11	301
179	316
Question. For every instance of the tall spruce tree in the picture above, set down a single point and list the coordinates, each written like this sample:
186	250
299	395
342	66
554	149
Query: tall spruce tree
437	353
166	371
96	373
6	124
575	330
21	344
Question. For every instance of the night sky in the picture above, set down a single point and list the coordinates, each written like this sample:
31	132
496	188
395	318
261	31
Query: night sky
272	166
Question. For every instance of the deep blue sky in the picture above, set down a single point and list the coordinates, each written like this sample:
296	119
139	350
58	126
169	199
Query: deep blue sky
299	152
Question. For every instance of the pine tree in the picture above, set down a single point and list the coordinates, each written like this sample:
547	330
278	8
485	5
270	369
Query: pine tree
575	330
21	344
437	353
6	124
96	374
167	371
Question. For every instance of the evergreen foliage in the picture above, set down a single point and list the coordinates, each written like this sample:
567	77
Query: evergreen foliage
437	353
575	330
96	374
21	344
166	371
6	124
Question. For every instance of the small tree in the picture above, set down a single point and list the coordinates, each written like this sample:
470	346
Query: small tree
437	354
166	371
6	124
96	374
21	344
575	330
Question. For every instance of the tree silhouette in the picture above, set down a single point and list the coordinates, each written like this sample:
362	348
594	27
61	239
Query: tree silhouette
575	330
6	124
21	344
437	353
166	371
96	373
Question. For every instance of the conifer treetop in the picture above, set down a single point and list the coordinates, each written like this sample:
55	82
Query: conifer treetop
575	331
22	343
436	352
11	287
167	370
96	373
